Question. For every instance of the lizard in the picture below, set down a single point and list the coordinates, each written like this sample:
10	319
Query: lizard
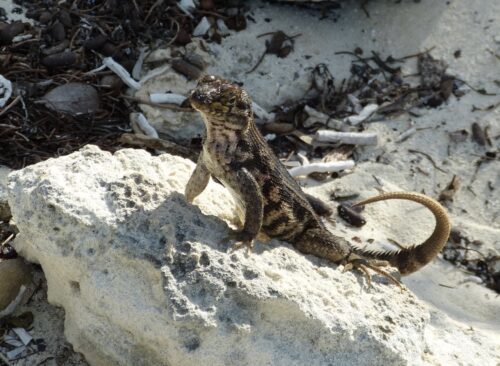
272	202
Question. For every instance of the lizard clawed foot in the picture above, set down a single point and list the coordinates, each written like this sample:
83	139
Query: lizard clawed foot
363	264
242	239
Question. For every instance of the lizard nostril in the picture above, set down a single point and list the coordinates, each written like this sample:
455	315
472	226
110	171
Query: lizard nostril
196	96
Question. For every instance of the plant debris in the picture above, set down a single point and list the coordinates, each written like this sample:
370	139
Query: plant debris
463	252
351	215
280	45
59	101
449	192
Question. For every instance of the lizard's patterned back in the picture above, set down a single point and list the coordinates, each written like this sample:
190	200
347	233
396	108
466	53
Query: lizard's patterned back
287	212
233	143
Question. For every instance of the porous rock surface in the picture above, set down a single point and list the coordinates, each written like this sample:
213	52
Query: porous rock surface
145	277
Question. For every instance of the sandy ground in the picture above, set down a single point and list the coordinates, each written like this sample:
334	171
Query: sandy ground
473	27
48	325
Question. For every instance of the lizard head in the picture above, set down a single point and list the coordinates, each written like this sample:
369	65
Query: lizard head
222	102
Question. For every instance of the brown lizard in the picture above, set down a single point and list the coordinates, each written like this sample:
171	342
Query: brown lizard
236	154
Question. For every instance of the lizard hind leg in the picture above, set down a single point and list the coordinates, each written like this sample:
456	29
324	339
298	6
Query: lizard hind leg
323	244
363	264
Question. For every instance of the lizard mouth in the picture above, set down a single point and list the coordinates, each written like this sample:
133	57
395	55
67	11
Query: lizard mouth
198	98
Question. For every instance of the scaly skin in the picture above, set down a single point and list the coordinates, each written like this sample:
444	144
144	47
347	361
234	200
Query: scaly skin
412	258
271	201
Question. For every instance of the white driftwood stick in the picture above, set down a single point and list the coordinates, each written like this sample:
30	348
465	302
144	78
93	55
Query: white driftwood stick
154	73
202	28
187	7
21	37
93	71
143	124
351	138
5	90
261	112
303	158
356	105
406	134
121	72
223	29
316	116
136	71
330	167
363	115
315	113
167	98
289	164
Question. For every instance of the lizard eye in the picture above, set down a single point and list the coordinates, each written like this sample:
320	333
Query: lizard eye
241	105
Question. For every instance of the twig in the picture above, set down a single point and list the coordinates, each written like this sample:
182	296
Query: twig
479	91
37	288
136	71
493	53
10	105
367	111
121	72
317	116
428	157
213	13
45	360
139	122
157	2
9	238
26	355
156	144
416	54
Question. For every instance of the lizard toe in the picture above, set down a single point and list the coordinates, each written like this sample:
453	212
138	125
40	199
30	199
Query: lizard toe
363	264
242	238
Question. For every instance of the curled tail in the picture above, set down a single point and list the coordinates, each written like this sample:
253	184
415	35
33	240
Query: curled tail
411	259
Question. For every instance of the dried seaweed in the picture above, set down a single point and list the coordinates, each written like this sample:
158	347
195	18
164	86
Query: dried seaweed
66	41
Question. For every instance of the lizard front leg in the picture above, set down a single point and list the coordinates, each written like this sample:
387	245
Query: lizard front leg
249	190
198	180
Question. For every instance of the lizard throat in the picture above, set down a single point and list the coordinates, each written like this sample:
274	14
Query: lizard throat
221	123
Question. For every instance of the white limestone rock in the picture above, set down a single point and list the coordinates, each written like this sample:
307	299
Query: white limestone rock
145	277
